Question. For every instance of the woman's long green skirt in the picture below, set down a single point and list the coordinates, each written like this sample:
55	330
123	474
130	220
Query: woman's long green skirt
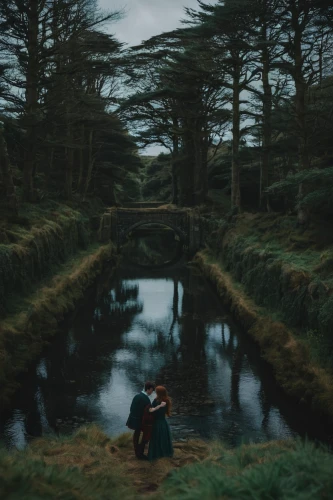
160	444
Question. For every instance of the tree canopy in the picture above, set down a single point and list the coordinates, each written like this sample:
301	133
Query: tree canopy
239	97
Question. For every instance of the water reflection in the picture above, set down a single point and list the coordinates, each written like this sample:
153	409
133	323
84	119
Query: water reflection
152	245
167	327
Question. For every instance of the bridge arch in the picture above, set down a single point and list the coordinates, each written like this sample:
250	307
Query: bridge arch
118	222
183	237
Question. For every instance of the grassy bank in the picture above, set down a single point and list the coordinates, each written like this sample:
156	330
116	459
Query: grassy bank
295	369
286	269
89	465
36	319
287	272
34	244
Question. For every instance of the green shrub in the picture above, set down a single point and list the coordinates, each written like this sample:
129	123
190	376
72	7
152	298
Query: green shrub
300	474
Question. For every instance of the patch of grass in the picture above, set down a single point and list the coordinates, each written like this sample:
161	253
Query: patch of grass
124	440
249	455
90	465
76	468
108	463
320	349
299	247
276	471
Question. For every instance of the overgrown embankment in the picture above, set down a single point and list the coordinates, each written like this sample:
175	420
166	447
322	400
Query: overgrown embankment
51	260
23	335
32	245
278	281
90	465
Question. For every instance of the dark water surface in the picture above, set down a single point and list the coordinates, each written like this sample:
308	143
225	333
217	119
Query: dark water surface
168	326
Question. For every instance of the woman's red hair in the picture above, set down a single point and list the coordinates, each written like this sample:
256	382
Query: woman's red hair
162	395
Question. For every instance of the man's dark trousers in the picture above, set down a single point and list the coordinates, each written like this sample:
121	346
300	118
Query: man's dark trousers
139	449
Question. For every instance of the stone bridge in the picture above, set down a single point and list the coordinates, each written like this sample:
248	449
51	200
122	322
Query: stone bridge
117	224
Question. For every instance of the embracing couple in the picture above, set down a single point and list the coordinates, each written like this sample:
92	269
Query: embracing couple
149	419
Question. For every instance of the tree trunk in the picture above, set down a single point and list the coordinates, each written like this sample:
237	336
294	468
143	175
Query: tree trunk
174	167
81	161
112	199
300	105
235	169
198	173
202	175
303	213
90	164
51	152
69	175
7	178
31	101
236	369
69	162
300	98
267	122
174	175
186	171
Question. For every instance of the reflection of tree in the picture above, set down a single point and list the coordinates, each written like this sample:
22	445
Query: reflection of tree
237	360
230	347
25	399
80	362
115	310
175	312
188	367
150	245
266	407
193	332
223	335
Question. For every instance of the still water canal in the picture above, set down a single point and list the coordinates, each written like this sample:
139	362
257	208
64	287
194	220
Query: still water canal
164	325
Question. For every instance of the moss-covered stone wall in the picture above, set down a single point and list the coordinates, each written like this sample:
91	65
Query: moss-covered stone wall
295	370
48	258
277	280
24	334
31	256
296	285
302	298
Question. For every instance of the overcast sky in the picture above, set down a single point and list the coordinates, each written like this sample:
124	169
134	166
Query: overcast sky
146	18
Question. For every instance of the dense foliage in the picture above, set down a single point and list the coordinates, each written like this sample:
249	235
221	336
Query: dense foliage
240	97
59	76
247	81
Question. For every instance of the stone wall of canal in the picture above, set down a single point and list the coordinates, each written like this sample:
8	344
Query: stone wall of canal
294	368
42	278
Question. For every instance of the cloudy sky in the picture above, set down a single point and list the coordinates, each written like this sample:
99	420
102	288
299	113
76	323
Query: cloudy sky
143	19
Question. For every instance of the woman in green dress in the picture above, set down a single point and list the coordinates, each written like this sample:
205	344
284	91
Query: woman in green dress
160	444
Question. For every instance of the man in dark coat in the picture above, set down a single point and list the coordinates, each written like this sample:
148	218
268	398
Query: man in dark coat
134	421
